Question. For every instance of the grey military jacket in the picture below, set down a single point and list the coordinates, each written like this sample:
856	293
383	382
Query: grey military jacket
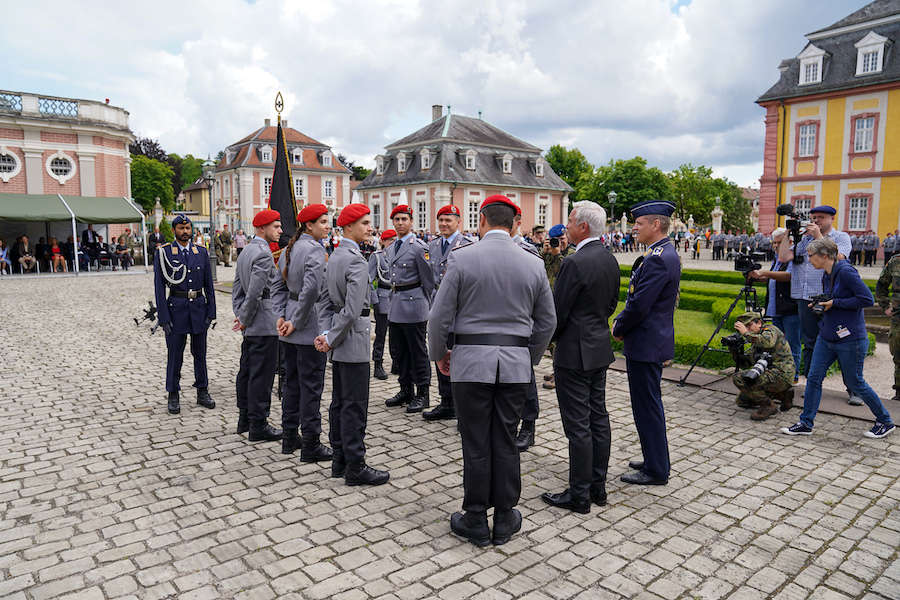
855	242
718	239
408	261
380	296
872	242
492	287
438	259
305	279
889	243
254	277
345	296
528	246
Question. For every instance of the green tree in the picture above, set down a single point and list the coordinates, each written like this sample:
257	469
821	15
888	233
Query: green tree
191	170
736	208
632	181
570	165
694	191
151	178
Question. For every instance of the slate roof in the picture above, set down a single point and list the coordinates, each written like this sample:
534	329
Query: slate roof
839	64
465	129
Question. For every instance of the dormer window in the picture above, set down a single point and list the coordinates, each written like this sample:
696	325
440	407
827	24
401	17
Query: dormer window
426	159
326	159
470	160
870	54
379	165
811	62
401	162
507	164
229	157
297	156
265	154
539	168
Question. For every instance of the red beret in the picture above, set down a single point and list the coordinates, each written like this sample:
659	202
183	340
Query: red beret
499	198
351	213
264	217
448	210
388	234
311	213
401	208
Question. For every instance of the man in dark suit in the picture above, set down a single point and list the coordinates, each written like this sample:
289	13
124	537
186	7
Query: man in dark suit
586	293
646	326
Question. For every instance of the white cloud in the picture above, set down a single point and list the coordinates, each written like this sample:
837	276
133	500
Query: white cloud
674	82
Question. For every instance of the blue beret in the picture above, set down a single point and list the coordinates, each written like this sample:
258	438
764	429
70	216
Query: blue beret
181	218
652	207
557	231
828	210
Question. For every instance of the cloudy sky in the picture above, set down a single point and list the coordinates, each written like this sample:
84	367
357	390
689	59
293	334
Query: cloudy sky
672	81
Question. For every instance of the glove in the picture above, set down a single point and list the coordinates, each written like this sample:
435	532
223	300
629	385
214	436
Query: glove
167	327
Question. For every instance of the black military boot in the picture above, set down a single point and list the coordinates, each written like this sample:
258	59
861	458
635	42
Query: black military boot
204	399
290	441
525	439
243	425
395	369
444	410
338	464
404	396
472	526
260	431
362	474
379	371
312	450
174	403
421	401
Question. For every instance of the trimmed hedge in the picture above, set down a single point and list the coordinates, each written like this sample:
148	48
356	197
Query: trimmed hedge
711	276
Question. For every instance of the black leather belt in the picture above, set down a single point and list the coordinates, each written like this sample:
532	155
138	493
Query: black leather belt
490	339
408	286
294	296
363	313
191	294
266	295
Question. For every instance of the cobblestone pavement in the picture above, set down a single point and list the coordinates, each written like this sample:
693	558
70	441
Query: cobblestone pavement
104	495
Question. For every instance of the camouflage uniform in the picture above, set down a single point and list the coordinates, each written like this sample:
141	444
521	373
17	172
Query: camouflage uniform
777	380
887	295
552	264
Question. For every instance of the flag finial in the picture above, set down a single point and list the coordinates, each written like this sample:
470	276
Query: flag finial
279	104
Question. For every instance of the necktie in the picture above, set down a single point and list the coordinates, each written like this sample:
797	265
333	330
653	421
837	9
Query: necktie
444	245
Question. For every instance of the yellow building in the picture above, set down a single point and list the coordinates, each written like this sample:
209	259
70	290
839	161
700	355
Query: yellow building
832	125
196	198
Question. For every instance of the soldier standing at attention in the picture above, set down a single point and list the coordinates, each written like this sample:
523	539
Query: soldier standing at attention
647	328
412	287
224	243
889	244
855	246
718	245
887	295
190	308
302	268
497	302
381	301
251	299
345	325
448	218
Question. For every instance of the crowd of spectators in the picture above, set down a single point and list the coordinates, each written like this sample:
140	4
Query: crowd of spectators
49	255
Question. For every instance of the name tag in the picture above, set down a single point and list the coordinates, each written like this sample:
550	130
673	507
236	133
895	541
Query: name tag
842	332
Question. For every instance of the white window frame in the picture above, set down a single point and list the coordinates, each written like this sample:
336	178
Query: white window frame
401	162
811	63
302	192
865	141
265	154
297	156
871	43
17	166
266	189
507	164
376	214
422	213
542	214
326	159
806	140
539	168
858	213
473	206
325	182
426	159
379	165
803	205
61	178
470	160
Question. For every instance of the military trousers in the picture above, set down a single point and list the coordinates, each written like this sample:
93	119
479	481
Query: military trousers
445	390
582	407
381	328
304	368
487	417
175	343
349	410
411	353
256	374
649	416
894	344
766	387
531	408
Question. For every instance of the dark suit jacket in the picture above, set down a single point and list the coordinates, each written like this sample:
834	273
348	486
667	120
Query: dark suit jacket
87	238
585	294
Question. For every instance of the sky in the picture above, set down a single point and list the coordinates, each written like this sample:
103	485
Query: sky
673	81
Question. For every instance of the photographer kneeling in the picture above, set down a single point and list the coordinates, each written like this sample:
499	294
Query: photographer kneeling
767	371
842	337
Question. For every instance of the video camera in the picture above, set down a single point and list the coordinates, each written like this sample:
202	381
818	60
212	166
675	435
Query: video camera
746	261
796	224
734	342
554	242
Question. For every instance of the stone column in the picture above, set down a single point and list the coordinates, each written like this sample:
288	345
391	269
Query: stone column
34	171
86	164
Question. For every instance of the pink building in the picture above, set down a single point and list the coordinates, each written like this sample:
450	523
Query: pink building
461	161
244	175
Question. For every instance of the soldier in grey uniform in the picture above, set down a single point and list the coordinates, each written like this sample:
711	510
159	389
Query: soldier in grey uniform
294	297
871	244
889	244
251	299
497	302
855	248
730	245
381	300
412	288
344	320
765	245
743	242
718	245
439	250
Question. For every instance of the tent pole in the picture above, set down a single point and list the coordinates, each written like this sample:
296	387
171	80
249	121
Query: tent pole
143	232
74	234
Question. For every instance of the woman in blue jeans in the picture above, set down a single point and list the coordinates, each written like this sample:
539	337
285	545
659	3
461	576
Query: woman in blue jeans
842	337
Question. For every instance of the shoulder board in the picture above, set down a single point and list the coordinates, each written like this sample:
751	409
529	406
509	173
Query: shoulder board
657	251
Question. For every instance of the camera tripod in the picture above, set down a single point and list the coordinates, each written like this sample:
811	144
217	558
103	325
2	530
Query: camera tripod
748	293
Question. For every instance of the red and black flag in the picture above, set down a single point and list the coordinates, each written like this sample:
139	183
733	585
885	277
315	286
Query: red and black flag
281	197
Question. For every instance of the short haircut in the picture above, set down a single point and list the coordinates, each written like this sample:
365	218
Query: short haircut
664	221
499	215
591	213
778	232
823	246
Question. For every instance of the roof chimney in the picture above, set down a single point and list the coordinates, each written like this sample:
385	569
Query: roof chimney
436	112
268	122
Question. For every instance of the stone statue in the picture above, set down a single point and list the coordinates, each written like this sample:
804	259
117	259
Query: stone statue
717	215
690	222
624	224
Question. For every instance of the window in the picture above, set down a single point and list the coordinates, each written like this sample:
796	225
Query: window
803	204
376	216
870	62
267	187
811	65
401	163
329	188
864	134
326	159
539	168
265	154
811	72
859	213
870	54
542	214
7	163
298	187
60	167
421	215
379	165
473	215
298	156
807	143
507	164
470	160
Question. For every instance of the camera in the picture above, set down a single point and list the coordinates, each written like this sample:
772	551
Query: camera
817	309
554	242
759	367
746	261
795	224
734	342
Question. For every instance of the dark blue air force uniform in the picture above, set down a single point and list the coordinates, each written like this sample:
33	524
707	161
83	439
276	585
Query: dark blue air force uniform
647	325
189	306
